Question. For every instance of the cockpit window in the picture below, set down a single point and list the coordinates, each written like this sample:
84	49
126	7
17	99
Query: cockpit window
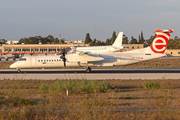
22	59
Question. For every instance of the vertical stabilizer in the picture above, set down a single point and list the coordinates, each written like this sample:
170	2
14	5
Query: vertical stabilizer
160	41
118	42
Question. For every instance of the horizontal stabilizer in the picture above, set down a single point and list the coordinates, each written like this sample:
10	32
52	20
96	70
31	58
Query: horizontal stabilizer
164	31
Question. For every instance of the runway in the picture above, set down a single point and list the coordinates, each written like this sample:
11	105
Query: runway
96	74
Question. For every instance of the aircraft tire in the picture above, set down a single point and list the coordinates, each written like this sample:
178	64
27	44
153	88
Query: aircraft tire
88	70
18	70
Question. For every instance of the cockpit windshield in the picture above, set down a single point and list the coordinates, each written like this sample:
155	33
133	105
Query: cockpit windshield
22	59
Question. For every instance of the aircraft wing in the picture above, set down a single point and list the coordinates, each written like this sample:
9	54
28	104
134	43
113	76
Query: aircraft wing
83	57
116	47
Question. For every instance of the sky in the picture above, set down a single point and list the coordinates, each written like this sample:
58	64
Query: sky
73	19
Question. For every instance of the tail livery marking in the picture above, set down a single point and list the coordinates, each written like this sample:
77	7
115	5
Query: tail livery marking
160	42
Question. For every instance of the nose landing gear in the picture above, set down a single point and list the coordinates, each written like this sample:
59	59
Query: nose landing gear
18	70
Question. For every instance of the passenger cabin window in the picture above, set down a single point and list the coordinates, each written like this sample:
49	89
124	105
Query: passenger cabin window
41	60
38	60
22	59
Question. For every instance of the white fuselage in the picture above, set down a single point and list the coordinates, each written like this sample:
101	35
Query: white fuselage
115	47
113	59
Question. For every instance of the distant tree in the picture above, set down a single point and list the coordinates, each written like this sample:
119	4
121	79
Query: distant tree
125	40
133	40
113	37
39	38
93	42
50	37
44	40
63	41
141	38
32	40
172	44
3	41
24	40
87	39
98	43
56	41
148	41
108	41
102	43
176	38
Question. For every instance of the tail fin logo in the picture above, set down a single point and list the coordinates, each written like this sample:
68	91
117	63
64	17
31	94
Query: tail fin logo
160	42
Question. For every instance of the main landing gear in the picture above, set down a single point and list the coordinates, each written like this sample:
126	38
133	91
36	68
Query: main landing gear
88	70
85	65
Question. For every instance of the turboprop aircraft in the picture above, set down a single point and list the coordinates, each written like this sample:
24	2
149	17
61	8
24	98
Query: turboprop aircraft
156	50
116	46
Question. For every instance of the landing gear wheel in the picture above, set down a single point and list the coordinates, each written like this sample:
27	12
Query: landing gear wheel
18	70
88	70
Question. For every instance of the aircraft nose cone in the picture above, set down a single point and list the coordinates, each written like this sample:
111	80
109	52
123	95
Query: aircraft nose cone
13	65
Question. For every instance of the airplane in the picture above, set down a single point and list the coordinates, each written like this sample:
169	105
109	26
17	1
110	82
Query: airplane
115	47
156	50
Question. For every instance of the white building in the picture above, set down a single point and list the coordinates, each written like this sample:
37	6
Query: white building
11	42
74	42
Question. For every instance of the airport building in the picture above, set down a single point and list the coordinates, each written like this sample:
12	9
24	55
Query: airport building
132	46
173	52
19	50
16	50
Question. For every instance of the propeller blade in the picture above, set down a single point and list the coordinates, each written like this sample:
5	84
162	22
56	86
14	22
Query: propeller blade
62	57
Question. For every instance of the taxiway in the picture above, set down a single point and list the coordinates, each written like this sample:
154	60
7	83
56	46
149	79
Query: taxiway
96	74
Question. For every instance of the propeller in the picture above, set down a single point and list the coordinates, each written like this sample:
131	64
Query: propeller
63	57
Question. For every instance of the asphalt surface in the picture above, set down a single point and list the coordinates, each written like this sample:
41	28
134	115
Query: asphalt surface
96	74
